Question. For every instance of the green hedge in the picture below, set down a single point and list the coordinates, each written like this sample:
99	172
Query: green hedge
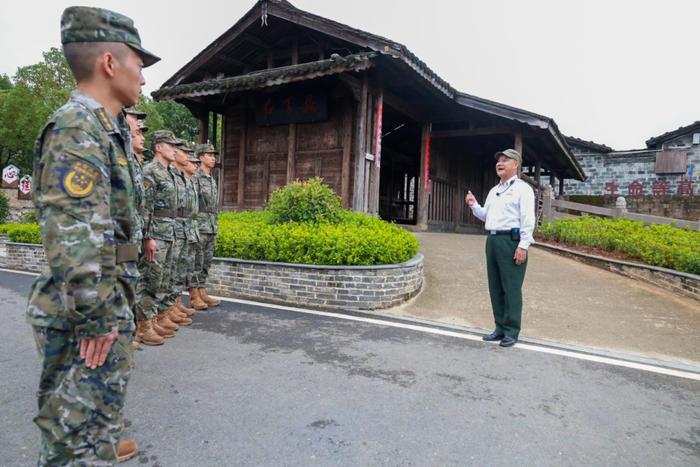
357	239
658	245
22	233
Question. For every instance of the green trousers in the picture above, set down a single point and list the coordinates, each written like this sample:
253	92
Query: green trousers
505	283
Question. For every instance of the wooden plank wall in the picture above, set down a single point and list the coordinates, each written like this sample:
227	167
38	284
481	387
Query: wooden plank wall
271	154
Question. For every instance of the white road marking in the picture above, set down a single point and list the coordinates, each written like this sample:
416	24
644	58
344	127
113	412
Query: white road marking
459	335
477	337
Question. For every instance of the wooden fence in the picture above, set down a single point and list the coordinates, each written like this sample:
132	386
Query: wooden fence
556	208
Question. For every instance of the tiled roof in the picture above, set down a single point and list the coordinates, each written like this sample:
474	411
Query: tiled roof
672	134
271	77
588	144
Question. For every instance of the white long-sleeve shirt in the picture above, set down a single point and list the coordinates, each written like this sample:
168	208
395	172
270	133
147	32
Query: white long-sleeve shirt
509	205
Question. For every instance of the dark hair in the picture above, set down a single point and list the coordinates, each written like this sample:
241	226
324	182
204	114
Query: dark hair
81	56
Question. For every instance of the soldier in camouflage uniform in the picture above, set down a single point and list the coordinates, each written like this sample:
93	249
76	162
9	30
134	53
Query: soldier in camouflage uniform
144	332
190	171
185	235
80	307
207	222
160	212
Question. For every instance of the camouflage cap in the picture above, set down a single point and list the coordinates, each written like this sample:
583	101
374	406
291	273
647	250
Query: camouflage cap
142	126
511	154
164	136
205	149
192	158
89	24
136	113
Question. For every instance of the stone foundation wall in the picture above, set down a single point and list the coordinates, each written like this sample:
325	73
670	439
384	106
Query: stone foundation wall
680	283
328	287
18	207
325	287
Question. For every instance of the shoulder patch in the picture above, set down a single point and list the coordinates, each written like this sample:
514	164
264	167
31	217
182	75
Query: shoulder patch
146	184
80	180
122	161
104	119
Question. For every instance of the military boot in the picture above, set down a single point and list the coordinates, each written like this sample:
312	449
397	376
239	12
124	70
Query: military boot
182	307
207	299
165	321
196	301
146	334
126	450
160	330
177	317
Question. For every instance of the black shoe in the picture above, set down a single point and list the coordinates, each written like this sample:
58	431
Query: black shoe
494	336
508	341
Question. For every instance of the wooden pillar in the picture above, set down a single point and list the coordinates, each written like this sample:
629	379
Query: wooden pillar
538	172
424	177
518	143
376	143
203	127
291	152
358	198
214	126
538	189
241	163
347	146
561	186
552	176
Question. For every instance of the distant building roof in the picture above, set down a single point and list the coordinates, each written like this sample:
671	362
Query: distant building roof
588	144
656	140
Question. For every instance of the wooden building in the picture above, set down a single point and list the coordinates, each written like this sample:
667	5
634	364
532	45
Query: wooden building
301	96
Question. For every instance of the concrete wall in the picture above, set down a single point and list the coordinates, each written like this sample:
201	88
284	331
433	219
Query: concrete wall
326	287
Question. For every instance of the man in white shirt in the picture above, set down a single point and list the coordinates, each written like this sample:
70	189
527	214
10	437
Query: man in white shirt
509	214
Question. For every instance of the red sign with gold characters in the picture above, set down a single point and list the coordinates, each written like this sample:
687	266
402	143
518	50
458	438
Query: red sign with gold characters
24	189
10	177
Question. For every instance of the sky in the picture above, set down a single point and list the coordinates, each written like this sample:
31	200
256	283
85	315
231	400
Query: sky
616	72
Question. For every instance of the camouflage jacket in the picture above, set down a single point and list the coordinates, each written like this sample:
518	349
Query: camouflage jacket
139	195
208	202
84	197
160	207
187	206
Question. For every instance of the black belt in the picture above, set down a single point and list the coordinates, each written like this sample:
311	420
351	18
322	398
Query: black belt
207	211
498	232
127	253
164	213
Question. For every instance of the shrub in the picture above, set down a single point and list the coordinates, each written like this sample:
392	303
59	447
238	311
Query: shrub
355	239
658	245
22	233
4	208
309	201
29	217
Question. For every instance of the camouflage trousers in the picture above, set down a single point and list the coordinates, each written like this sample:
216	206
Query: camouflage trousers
152	286
80	408
183	263
202	262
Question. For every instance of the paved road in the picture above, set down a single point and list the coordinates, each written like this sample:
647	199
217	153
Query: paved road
564	300
252	385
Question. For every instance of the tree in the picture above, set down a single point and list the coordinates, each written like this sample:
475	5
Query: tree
169	115
38	90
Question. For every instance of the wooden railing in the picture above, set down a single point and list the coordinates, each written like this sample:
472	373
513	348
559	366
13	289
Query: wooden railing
440	207
553	208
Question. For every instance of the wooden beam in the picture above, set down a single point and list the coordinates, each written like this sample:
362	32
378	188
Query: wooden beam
241	163
291	152
214	126
347	144
402	106
358	203
255	40
518	142
423	178
233	61
472	132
